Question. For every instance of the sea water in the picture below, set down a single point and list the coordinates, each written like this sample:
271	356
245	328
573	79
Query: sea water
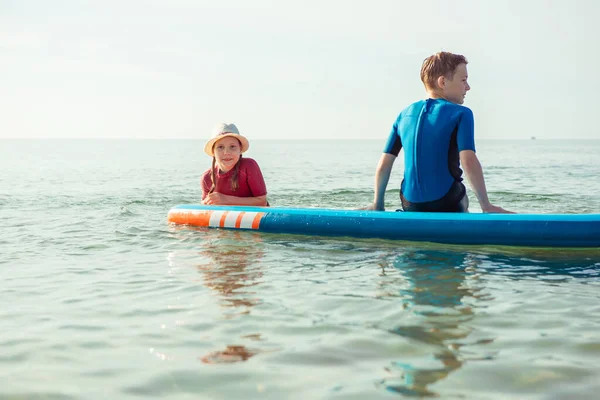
102	298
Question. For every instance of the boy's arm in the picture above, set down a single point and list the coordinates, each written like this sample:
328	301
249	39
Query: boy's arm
474	172
382	177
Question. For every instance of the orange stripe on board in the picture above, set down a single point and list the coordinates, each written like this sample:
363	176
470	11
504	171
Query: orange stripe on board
222	222
256	221
186	217
238	221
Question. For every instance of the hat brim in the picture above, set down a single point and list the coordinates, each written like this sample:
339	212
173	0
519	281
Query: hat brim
208	147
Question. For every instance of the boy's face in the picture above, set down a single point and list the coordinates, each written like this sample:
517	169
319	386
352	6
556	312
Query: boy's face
455	89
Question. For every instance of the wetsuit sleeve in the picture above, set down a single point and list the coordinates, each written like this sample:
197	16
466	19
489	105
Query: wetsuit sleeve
256	181
394	143
465	136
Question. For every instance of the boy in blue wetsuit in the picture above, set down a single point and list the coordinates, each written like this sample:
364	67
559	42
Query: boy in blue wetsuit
437	135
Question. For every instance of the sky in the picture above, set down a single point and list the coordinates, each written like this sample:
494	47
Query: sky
278	69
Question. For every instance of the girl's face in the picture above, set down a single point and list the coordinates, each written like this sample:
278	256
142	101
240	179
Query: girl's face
227	153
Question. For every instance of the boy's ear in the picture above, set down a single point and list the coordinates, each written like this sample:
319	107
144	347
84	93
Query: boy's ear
441	81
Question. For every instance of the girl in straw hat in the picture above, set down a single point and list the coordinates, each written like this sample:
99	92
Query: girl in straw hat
231	180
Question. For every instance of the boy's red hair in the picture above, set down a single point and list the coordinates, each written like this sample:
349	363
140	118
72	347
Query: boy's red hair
440	64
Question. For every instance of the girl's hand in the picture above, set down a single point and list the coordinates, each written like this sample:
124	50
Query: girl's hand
215	198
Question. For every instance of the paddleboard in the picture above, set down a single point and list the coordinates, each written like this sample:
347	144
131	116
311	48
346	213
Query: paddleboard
547	230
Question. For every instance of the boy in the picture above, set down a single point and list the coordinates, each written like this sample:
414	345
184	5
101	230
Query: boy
437	135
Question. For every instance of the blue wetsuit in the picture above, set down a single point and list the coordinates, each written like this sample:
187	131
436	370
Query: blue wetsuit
432	133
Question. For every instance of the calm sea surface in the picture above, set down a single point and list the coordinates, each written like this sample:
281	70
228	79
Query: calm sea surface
102	299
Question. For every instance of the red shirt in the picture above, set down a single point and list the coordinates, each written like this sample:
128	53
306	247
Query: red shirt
250	180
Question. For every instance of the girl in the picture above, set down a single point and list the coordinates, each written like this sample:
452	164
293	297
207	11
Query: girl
231	180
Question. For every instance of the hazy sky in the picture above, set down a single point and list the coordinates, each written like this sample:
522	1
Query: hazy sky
291	69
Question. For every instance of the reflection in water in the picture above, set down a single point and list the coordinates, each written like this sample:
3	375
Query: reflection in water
543	264
230	355
436	296
231	270
441	289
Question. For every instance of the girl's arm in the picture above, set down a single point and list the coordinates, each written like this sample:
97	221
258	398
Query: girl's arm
217	198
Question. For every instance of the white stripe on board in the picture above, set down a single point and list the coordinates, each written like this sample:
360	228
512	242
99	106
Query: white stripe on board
247	219
215	219
230	219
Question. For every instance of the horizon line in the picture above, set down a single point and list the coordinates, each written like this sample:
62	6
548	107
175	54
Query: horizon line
531	139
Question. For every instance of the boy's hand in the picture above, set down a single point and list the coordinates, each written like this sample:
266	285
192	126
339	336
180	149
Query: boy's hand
495	209
371	207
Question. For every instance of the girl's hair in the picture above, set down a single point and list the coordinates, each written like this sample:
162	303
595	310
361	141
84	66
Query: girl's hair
440	64
234	178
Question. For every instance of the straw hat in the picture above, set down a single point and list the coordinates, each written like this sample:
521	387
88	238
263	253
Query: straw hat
221	131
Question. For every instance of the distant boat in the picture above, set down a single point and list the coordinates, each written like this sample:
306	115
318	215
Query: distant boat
533	138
